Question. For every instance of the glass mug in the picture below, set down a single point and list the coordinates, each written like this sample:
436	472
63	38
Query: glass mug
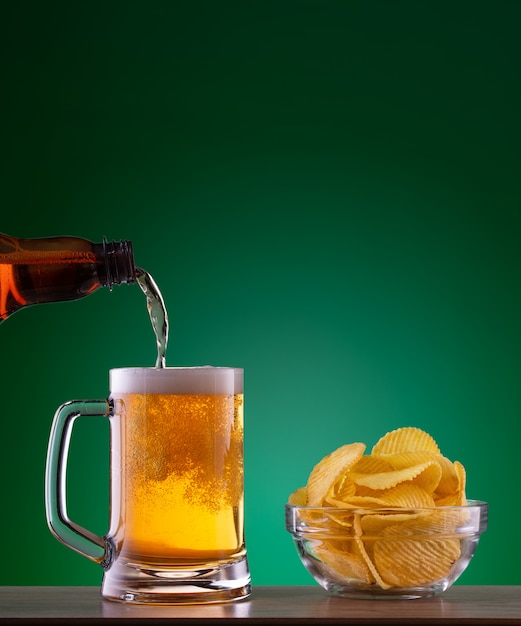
176	532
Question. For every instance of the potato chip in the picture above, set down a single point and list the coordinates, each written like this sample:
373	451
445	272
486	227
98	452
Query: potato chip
345	563
329	469
320	521
373	524
367	492
429	478
343	517
362	547
407	439
373	464
455	494
462	483
436	521
413	562
449	481
341	489
386	480
359	502
299	497
407	495
451	500
400	460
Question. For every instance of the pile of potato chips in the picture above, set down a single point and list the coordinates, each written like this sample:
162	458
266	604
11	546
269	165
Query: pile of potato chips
386	523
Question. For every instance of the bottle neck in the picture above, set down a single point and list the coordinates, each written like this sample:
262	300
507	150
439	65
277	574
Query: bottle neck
117	264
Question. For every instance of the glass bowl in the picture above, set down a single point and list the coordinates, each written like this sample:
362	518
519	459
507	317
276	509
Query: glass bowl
386	552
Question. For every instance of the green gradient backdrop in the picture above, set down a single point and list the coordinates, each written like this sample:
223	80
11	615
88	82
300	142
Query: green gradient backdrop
328	195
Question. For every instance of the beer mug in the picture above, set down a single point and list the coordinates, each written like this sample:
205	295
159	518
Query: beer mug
176	530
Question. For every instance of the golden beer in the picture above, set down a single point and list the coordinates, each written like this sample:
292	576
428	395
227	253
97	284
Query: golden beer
179	458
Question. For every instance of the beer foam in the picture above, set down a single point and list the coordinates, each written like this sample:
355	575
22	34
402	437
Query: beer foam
181	380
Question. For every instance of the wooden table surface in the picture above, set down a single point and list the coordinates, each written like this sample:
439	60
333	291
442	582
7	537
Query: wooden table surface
266	605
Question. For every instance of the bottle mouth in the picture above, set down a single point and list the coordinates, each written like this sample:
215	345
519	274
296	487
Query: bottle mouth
119	262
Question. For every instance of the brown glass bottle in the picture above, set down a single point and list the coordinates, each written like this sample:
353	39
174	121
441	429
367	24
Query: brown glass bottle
56	269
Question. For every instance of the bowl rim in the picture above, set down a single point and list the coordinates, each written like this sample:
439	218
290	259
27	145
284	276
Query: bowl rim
480	504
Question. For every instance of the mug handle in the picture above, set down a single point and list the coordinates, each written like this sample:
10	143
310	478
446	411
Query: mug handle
68	532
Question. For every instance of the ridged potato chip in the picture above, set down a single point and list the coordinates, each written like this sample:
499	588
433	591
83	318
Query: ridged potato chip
429	479
413	562
374	524
357	502
407	495
345	562
462	476
451	489
325	473
364	546
341	519
449	481
406	439
400	460
299	497
386	480
373	464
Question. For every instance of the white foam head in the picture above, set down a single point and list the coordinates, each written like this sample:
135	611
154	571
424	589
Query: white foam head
200	380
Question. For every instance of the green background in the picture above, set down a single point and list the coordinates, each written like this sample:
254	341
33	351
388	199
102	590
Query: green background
327	194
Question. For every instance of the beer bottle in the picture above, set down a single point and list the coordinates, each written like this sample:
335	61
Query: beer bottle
56	269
